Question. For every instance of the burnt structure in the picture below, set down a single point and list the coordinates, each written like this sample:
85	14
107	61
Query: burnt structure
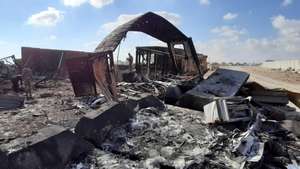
154	60
157	27
86	70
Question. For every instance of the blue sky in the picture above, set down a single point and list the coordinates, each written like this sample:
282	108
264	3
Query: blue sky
225	30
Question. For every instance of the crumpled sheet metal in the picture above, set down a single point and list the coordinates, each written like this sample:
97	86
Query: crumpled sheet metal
249	144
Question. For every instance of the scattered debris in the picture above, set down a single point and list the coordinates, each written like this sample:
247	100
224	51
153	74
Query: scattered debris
249	144
222	83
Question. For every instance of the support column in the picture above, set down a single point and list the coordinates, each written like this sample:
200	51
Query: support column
113	86
195	56
171	51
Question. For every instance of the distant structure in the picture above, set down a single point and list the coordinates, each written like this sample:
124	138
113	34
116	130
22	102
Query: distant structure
153	60
283	64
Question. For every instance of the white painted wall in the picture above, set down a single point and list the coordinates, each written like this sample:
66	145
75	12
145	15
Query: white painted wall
283	64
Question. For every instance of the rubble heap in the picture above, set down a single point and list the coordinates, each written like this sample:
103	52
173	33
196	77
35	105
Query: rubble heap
251	128
180	120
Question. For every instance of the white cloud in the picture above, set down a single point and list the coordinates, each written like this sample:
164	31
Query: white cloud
287	27
100	3
230	33
232	44
286	2
52	37
74	3
205	2
123	18
288	32
94	3
49	17
230	16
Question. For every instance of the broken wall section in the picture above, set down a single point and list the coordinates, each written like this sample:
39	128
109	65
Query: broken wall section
86	70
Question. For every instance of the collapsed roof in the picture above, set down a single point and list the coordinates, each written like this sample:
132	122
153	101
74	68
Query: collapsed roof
149	23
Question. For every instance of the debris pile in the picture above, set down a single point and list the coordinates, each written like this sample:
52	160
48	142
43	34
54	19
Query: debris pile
161	118
177	137
245	126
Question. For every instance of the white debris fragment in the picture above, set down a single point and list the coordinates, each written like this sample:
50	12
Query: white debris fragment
154	163
167	151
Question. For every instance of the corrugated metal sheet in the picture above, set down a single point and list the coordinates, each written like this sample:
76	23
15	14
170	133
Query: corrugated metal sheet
45	61
41	61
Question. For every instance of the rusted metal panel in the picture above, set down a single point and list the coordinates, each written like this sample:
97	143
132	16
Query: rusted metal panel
41	61
82	76
102	76
112	75
84	68
47	61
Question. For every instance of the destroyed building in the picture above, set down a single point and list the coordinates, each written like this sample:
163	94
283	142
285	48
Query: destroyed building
157	27
155	60
181	121
86	70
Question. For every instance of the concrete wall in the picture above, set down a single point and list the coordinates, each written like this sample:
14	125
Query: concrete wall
283	64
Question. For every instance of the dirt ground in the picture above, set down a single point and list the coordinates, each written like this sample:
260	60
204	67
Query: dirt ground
54	104
272	78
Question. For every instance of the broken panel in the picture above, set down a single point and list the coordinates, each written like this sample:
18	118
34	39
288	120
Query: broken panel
82	76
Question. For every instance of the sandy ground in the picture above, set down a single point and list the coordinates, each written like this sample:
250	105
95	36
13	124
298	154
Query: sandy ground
272	78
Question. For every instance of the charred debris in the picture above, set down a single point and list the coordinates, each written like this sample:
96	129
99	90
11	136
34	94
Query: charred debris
162	113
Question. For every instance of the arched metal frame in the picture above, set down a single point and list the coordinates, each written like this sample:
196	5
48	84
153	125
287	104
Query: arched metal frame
157	27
